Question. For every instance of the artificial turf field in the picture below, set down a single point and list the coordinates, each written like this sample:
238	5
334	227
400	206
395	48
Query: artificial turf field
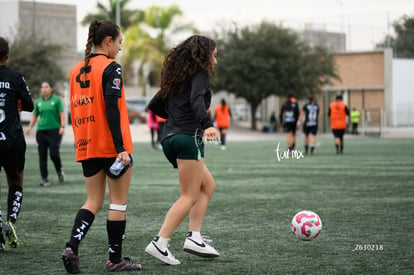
364	197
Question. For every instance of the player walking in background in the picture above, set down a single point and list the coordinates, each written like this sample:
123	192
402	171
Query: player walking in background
14	97
338	111
289	114
102	138
355	116
272	122
222	117
310	126
154	127
184	99
50	129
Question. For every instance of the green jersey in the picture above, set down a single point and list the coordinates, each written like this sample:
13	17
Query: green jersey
48	112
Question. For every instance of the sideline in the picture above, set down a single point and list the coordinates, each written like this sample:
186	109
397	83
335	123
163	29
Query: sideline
141	133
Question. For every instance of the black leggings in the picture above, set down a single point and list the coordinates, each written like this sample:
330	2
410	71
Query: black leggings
48	139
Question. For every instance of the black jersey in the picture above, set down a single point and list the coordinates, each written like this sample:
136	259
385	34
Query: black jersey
311	110
186	111
289	112
13	87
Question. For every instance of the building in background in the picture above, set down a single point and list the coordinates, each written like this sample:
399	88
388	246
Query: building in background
366	84
375	83
334	42
403	92
55	23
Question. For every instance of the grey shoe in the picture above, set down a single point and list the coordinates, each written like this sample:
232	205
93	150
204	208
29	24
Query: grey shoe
61	176
44	182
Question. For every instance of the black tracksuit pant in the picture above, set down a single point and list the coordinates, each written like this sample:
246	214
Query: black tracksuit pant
48	139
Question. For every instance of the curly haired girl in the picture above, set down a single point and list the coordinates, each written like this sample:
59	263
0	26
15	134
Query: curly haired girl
183	100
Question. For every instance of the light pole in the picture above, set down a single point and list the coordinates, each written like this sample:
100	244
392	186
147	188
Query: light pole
118	13
341	4
34	18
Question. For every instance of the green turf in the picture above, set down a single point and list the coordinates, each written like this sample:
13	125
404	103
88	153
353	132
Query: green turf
365	199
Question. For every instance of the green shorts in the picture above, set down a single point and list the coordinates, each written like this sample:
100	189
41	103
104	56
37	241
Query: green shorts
183	146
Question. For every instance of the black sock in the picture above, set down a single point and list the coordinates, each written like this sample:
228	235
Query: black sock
342	148
312	149
337	148
14	203
83	221
293	146
116	234
223	140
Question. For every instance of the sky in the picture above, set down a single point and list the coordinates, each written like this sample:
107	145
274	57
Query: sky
365	22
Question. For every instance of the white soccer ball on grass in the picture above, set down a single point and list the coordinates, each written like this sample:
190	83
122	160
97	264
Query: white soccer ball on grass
306	225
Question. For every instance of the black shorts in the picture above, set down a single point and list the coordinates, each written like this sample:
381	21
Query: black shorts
183	146
289	127
310	130
13	160
338	133
92	166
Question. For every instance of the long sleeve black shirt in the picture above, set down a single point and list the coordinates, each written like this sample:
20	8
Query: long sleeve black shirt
186	110
13	87
112	94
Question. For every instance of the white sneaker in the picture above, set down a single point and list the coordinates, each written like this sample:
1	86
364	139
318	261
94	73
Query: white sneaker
207	239
197	246
161	252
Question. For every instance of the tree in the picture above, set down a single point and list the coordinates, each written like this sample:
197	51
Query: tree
267	59
403	41
128	17
139	45
36	60
147	41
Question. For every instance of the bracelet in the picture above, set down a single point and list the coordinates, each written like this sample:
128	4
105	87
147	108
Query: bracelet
62	127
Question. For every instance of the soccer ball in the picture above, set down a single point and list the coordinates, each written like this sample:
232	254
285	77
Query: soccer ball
306	225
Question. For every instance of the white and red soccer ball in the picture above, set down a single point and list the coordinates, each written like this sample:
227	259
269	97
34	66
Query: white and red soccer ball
306	225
